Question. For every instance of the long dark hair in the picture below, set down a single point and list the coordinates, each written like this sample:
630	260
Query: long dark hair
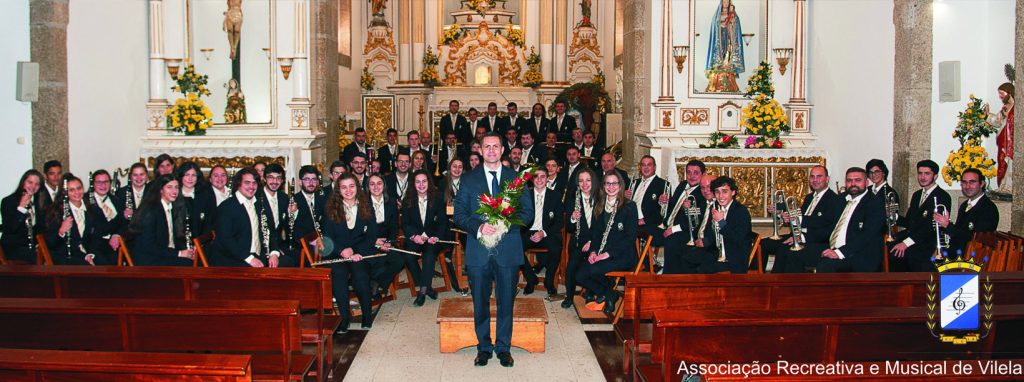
161	159
449	188
180	174
55	212
595	183
619	196
19	189
150	204
335	207
409	200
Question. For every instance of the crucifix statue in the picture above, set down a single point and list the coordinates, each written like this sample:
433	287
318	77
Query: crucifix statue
233	25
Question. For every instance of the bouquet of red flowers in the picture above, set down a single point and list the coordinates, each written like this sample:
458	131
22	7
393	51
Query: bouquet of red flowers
501	210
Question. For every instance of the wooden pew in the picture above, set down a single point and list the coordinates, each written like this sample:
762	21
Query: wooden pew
25	365
310	286
815	336
266	329
778	291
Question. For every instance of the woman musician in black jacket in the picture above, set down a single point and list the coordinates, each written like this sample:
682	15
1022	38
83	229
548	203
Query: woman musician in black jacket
351	228
424	222
611	247
581	219
385	213
451	184
75	229
21	217
151	235
195	199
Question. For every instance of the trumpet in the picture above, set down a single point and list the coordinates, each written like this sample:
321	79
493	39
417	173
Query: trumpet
941	238
692	217
719	239
796	219
668	192
892	213
778	199
675	211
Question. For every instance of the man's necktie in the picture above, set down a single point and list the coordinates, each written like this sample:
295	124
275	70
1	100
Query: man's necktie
494	182
842	222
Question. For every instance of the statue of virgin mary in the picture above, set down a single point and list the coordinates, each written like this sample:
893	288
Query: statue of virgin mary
725	51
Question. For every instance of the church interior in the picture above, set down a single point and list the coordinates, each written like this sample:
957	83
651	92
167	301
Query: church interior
700	190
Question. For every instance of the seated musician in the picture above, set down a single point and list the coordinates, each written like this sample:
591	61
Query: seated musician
916	245
107	203
152	235
309	204
74	229
350	227
695	192
243	227
21	216
726	231
581	218
281	208
820	211
555	180
649	192
424	222
611	243
544	232
385	214
450	187
855	243
198	201
219	184
397	182
976	214
163	165
130	196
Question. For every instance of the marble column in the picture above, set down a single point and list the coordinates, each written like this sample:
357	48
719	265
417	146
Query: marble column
324	73
913	90
404	27
419	15
636	78
561	41
1017	218
48	30
547	36
666	52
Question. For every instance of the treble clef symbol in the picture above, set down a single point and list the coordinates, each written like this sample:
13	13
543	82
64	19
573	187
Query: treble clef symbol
958	303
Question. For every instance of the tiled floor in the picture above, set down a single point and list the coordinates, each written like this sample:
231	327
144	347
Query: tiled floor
403	346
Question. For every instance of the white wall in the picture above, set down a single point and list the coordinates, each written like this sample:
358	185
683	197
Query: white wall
979	34
108	64
851	62
15	117
350	92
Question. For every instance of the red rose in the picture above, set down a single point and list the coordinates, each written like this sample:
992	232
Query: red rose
777	144
527	176
517	182
508	211
495	202
726	139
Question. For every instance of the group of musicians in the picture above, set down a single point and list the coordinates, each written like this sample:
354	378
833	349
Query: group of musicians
386	209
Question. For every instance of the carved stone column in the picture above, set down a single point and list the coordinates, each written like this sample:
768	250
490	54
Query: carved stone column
324	72
666	52
157	103
48	30
912	119
800	110
1017	218
547	37
636	103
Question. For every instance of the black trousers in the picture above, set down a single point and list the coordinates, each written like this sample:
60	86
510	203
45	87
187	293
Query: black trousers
789	261
549	260
676	248
917	258
701	260
422	271
20	252
354	274
384	269
592	276
573	263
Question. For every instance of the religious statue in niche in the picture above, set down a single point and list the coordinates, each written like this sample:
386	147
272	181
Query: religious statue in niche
234	112
585	12
377	8
725	52
1004	141
233	25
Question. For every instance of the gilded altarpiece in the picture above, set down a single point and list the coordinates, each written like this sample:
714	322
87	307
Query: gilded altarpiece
378	116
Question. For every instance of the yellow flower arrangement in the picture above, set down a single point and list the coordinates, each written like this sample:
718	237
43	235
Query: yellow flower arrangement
366	79
533	77
970	155
763	116
189	115
451	34
429	75
515	36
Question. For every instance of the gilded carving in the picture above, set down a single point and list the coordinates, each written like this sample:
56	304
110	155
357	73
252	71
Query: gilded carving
733	159
584	51
380	47
792	180
751	182
694	116
482	44
666	119
378	118
229	163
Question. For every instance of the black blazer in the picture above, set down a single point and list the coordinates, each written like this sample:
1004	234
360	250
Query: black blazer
118	223
201	211
649	203
621	237
81	244
735	231
150	247
123	195
581	237
388	229
387	158
280	227
564	130
886	189
983	217
918	220
479	123
350	151
680	219
461	128
864	235
595	153
361	238
537	126
552	221
460	154
436	224
817	226
570	178
15	230
391	183
234	232
537	155
305	216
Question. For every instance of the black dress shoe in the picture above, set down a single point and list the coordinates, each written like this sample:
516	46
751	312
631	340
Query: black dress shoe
343	327
506	359
481	358
529	288
432	293
367	322
609	306
420	298
567	303
589	297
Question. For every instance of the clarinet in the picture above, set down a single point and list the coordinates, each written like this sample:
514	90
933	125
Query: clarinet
264	229
607	230
291	218
188	228
30	224
578	208
129	198
67	213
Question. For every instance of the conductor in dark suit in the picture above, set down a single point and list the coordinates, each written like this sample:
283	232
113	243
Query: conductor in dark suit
976	214
500	264
916	244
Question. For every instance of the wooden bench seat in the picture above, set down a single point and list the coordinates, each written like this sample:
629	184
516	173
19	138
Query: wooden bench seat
27	365
267	329
310	286
457	329
817	335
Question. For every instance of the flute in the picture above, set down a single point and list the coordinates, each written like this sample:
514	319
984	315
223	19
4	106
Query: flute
399	250
343	260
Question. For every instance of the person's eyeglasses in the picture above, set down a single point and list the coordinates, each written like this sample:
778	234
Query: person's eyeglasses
875	172
611	183
274	177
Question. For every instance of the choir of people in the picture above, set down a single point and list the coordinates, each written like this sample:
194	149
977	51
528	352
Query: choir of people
384	209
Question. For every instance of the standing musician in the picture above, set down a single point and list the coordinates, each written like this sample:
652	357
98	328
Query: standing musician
385	214
649	192
151	234
350	225
545	232
916	245
491	119
581	219
358	145
513	120
107	202
309	204
976	214
54	172
130	196
454	122
398	181
21	216
538	121
244	232
610	247
219	184
450	186
562	123
386	154
679	231
424	222
474	122
450	151
197	201
163	165
820	212
74	229
281	208
726	231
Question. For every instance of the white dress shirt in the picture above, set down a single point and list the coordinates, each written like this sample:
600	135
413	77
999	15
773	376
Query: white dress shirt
378	208
924	196
638	195
52	191
272	203
422	204
220	195
844	223
170	222
538	216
